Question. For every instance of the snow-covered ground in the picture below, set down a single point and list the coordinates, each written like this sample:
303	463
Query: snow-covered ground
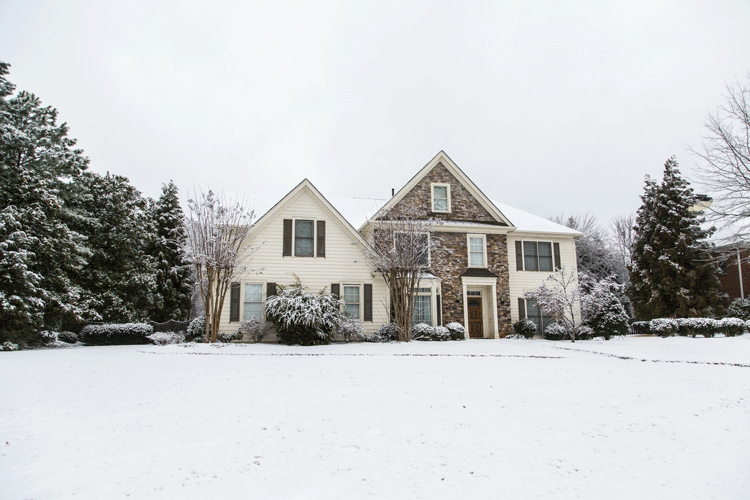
628	418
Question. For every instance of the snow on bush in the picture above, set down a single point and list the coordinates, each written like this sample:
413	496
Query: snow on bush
555	331
664	327
9	346
116	334
67	337
425	332
386	333
732	326
457	331
255	329
303	318
525	328
165	338
226	338
350	329
196	331
587	333
739	308
707	327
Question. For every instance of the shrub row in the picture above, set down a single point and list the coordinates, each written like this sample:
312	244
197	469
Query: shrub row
708	327
421	331
117	334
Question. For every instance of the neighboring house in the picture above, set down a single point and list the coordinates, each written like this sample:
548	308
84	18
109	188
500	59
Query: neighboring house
498	254
734	262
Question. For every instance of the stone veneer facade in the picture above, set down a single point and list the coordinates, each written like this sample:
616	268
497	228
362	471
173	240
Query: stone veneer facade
449	268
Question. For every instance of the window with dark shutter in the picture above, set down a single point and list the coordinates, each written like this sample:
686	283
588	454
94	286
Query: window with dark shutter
270	289
234	302
519	256
287	237
321	238
336	290
439	311
557	256
368	303
521	308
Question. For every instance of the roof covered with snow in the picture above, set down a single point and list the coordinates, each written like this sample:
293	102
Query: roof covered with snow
530	223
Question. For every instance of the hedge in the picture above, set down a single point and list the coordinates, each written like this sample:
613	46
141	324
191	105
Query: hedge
116	334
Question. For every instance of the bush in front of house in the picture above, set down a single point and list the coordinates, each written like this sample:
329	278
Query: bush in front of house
303	318
663	327
166	338
196	330
708	327
67	337
255	329
457	331
732	326
117	334
226	338
525	328
587	333
555	331
425	332
386	333
739	308
350	329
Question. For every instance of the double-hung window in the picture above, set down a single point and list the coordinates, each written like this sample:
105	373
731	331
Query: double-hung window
351	301
304	238
253	303
441	197
477	251
538	316
537	256
423	306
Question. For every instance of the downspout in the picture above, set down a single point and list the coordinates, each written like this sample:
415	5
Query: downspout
739	271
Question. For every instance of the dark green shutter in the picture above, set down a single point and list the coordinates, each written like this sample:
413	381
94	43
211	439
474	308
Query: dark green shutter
336	290
287	237
557	255
519	256
234	302
521	309
368	302
270	290
321	238
439	311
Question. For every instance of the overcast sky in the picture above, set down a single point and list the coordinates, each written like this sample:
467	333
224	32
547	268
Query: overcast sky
551	107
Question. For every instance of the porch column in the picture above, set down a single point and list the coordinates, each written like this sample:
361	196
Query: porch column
466	310
493	295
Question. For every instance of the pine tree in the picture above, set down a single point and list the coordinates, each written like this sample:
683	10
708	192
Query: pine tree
174	285
671	274
37	164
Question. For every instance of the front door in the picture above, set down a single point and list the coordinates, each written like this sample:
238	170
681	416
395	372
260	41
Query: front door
475	317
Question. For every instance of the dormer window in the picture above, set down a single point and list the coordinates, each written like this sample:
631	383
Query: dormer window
441	197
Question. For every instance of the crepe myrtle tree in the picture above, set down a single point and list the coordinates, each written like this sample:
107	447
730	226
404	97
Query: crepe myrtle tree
560	297
217	244
400	249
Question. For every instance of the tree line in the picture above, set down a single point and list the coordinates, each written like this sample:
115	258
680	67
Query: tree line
77	246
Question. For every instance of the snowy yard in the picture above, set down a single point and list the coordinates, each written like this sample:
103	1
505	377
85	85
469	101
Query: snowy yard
628	418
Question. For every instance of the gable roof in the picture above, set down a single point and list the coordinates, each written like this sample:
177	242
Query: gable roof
303	187
460	176
530	223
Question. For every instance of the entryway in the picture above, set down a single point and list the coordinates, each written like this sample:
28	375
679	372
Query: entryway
476	329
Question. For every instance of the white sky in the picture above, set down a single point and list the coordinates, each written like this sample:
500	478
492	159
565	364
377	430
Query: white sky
548	106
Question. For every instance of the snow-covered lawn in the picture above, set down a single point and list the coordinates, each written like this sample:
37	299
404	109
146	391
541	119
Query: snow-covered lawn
475	419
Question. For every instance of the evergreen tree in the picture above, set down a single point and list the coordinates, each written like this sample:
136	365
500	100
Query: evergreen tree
671	274
119	277
37	164
174	285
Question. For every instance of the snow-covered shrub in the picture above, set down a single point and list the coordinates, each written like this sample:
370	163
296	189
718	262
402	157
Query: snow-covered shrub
43	338
587	333
350	329
421	331
441	333
732	326
663	327
640	328
164	338
9	346
255	329
707	327
386	333
67	337
117	334
525	327
457	331
555	331
604	312
226	338
196	331
739	308
303	318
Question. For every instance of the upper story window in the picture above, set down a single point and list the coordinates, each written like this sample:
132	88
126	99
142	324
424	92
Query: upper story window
537	256
304	238
477	250
441	197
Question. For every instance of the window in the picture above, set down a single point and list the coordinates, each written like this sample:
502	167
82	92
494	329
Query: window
477	251
304	237
536	315
351	300
253	305
423	306
441	197
537	256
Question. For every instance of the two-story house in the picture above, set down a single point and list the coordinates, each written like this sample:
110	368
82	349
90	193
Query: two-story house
497	254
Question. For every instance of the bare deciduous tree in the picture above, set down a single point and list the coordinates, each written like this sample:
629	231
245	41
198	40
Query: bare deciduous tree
593	253
622	238
217	246
725	170
560	297
400	249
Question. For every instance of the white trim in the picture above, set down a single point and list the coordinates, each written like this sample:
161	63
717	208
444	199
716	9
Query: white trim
488	284
447	187
263	297
484	250
361	288
314	238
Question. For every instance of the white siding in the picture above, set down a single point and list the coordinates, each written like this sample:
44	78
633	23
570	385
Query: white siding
343	263
527	281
